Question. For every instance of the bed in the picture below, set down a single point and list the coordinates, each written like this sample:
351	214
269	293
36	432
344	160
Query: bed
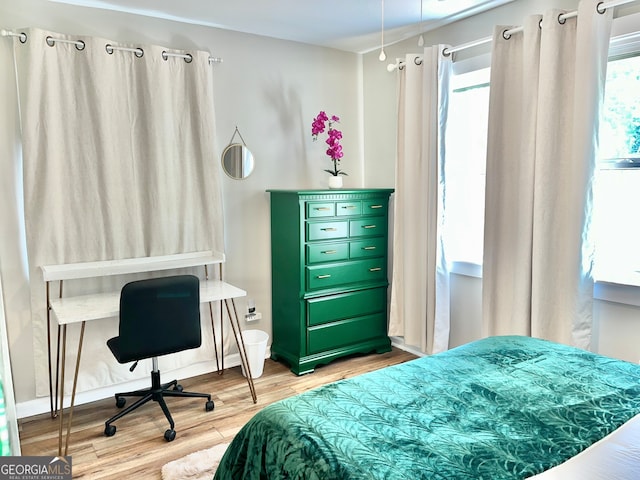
499	408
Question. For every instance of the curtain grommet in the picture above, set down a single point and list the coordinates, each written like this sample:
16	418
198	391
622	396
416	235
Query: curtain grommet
561	20
165	57
80	45
22	37
188	58
599	6
506	35
139	53
109	48
50	41
417	61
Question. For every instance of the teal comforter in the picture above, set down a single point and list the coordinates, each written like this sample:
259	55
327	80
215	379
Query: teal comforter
498	408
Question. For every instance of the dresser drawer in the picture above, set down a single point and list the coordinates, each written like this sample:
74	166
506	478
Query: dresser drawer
331	275
320	209
327	252
346	332
371	247
365	227
348	208
345	305
374	207
327	230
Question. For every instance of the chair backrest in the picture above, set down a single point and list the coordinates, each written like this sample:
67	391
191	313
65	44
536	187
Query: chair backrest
159	316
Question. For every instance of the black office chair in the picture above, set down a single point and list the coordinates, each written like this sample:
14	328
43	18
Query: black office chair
157	317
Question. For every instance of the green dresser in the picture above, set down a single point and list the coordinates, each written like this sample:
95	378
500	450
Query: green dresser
328	274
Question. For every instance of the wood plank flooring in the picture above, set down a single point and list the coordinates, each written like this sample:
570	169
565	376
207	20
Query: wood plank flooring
138	449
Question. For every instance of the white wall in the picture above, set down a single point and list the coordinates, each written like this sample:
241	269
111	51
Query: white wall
270	89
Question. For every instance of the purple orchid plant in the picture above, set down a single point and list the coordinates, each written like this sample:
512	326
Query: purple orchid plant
334	136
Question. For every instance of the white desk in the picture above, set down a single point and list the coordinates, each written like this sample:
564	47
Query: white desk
83	308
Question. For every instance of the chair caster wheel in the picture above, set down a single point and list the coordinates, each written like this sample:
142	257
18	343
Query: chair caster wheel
178	388
110	430
170	435
120	401
209	406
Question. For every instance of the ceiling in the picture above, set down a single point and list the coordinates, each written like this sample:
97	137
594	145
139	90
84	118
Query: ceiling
351	25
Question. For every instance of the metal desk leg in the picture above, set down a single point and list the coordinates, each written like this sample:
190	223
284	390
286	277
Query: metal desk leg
61	413
215	343
213	328
73	391
221	339
237	333
49	352
219	355
53	395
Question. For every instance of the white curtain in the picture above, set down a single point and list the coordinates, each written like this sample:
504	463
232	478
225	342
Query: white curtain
119	161
547	85
419	309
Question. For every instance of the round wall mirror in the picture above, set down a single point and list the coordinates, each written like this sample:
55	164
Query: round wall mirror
237	161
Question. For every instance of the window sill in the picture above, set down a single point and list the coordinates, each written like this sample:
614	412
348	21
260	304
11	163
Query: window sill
624	293
617	288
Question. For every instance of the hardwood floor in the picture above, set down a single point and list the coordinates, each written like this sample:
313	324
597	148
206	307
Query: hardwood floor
138	449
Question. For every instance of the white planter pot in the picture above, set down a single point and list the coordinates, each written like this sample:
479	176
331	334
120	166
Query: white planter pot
335	181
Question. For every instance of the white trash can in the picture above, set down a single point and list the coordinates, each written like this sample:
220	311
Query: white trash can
255	344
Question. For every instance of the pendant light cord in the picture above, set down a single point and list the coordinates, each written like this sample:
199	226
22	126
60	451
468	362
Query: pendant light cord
383	56
421	38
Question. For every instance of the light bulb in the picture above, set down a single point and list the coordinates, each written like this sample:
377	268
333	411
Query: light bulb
383	56
421	41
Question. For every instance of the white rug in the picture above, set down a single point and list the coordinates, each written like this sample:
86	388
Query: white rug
195	466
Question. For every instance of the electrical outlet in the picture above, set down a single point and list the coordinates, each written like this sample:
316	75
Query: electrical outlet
251	306
252	317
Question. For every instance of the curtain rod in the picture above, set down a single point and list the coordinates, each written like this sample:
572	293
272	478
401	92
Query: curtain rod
601	8
138	52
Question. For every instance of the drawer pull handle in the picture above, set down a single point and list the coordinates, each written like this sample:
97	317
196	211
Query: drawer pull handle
369	248
375	269
375	206
349	207
322	209
330	252
369	226
330	229
323	276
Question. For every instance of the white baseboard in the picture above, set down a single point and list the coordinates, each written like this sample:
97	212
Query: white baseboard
398	342
42	404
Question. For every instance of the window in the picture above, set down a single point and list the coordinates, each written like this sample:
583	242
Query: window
616	223
465	166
